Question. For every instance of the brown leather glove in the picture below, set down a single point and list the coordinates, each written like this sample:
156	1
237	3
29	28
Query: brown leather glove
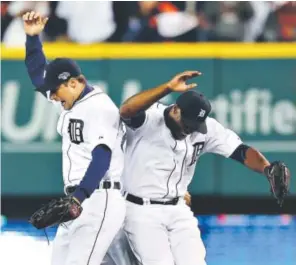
56	212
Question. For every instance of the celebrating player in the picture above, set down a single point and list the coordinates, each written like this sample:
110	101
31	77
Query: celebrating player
162	148
93	209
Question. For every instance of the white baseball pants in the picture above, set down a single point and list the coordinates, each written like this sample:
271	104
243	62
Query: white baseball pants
164	234
86	240
120	253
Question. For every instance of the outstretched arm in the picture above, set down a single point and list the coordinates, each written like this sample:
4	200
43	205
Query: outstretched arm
35	59
277	173
250	157
226	142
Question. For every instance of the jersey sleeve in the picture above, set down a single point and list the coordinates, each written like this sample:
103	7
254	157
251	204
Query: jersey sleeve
103	124
35	62
136	121
220	140
145	119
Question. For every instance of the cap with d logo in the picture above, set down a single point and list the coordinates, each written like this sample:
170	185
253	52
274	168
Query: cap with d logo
195	108
59	71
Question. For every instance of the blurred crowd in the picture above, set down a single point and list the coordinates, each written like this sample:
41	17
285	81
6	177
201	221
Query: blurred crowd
154	21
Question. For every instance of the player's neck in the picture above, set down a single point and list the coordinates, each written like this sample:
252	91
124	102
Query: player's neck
84	91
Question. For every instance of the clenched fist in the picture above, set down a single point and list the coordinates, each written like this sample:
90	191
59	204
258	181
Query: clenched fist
34	23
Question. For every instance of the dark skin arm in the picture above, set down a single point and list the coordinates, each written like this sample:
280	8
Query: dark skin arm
143	100
277	173
255	160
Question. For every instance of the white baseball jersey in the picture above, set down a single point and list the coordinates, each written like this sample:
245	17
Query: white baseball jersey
158	166
93	120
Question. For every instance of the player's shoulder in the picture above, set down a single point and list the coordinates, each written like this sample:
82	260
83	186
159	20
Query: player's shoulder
160	106
156	112
149	119
213	127
216	129
97	100
212	123
93	96
157	108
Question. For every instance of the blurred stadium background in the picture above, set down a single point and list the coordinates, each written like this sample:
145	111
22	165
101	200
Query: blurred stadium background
247	53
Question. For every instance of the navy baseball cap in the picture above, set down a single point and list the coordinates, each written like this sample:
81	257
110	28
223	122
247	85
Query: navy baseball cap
59	71
195	108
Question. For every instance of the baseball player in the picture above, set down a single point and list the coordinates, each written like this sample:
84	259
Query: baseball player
93	210
163	146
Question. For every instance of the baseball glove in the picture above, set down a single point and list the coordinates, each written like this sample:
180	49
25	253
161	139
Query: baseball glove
278	176
56	212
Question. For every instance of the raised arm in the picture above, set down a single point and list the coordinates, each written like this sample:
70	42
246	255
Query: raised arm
35	59
143	100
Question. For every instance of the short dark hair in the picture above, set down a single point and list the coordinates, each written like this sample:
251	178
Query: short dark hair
81	79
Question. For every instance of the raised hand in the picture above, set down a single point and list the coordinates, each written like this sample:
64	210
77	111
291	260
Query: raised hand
178	83
34	23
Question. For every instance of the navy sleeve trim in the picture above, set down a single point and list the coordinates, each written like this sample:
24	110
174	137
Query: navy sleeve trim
135	121
35	62
101	157
33	43
239	154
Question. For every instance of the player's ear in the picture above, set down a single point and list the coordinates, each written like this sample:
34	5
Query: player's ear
175	112
175	109
72	83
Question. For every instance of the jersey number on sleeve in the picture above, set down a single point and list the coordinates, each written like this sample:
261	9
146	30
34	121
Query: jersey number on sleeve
75	131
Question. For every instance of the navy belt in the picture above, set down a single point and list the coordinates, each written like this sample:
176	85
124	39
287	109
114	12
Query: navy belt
103	185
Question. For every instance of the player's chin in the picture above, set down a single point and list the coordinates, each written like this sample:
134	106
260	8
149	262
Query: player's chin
179	135
67	106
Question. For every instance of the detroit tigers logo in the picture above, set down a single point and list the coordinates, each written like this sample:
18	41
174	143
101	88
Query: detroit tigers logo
75	130
202	113
196	152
